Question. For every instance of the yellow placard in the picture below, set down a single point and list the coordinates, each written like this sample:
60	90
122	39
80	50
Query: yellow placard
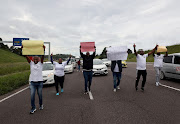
32	47
161	49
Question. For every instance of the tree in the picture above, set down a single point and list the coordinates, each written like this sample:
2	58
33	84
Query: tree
2	45
129	51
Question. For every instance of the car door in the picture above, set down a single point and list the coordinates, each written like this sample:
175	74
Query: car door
168	66
176	67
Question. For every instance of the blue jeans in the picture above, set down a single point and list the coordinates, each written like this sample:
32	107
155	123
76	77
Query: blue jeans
79	67
88	78
36	86
116	79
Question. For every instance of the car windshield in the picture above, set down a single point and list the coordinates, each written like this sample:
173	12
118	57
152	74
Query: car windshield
97	62
70	63
105	60
47	66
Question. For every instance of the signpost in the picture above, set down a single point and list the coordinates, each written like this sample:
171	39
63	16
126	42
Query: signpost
18	41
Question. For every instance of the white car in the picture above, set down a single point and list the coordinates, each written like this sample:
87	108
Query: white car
74	63
99	68
48	73
69	68
106	62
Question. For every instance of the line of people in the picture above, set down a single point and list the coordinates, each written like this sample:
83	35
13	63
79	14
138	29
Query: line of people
36	78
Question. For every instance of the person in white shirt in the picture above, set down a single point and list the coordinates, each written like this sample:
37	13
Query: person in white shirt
59	73
158	64
36	80
141	66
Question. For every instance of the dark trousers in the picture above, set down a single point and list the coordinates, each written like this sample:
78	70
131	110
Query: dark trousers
144	74
87	78
58	80
116	79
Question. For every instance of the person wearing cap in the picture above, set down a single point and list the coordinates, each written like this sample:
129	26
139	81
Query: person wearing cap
158	64
141	66
87	69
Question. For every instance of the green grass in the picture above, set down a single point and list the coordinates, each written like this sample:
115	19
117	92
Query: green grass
10	82
10	68
7	57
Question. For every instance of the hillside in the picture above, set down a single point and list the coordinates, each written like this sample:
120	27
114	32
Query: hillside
8	57
171	49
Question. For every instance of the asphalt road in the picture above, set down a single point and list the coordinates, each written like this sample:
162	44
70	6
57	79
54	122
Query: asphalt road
156	105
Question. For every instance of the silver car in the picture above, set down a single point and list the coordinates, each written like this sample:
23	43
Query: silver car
171	66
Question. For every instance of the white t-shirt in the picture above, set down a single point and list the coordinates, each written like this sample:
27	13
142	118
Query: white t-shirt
36	72
59	68
141	61
116	69
158	60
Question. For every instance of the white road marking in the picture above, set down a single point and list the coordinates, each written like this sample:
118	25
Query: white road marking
90	95
13	94
169	87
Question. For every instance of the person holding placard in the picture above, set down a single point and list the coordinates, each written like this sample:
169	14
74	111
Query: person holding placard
59	73
158	64
87	69
36	80
141	66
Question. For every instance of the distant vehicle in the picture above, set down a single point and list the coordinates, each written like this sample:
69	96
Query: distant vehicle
99	68
171	66
81	62
48	73
106	62
124	64
69	68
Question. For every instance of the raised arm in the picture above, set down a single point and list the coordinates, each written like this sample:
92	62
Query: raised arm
51	58
28	59
135	49
94	53
82	55
153	50
42	57
166	53
69	59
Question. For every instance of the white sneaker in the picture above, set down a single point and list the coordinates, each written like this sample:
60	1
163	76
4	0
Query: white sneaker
157	83
118	87
114	90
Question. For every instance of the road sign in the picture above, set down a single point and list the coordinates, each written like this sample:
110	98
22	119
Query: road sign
18	41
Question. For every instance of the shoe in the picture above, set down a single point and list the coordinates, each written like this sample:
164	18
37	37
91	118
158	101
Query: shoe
85	93
157	83
142	88
57	94
136	88
118	87
32	111
62	90
41	107
114	90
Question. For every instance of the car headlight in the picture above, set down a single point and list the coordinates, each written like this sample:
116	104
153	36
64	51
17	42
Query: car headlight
51	74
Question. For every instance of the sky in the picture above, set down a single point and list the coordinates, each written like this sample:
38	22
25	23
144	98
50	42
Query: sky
66	23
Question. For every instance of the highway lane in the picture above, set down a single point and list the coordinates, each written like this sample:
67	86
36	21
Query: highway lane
157	105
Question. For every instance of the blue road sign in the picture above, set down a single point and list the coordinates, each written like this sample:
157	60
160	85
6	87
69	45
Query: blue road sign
18	41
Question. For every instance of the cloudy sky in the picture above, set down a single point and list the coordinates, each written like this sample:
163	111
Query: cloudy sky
66	23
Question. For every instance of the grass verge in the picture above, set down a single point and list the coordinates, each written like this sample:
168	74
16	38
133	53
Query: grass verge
11	82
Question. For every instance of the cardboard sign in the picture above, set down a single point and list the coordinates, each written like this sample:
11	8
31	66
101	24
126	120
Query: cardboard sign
87	46
31	47
161	49
117	53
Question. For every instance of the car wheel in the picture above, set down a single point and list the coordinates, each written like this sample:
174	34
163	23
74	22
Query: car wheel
162	76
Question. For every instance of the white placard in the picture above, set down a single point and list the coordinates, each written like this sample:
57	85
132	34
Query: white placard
117	53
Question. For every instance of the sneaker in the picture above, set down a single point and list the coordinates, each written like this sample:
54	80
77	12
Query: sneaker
57	94
136	88
157	83
41	107
85	93
114	90
32	111
118	87
62	90
142	88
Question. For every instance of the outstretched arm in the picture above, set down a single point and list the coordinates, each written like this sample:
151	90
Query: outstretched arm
42	57
51	58
153	50
82	55
166	54
135	49
94	53
69	59
28	59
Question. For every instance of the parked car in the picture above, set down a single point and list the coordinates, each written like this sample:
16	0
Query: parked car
69	68
106	62
81	62
99	68
74	62
171	66
124	64
48	73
